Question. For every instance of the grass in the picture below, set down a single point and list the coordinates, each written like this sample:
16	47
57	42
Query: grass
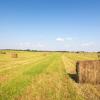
43	76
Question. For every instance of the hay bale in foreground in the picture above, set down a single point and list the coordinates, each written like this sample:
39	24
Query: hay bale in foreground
14	55
88	72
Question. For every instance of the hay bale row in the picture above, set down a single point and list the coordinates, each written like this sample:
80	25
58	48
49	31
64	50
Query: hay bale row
14	55
88	72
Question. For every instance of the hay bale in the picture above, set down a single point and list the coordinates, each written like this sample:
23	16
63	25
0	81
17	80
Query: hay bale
44	54
88	72
14	55
2	52
99	56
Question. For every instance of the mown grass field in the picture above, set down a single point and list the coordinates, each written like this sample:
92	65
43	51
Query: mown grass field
44	76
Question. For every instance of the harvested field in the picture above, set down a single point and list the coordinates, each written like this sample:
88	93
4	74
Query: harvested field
44	76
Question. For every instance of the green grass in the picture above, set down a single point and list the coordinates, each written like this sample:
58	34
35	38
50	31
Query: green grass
43	76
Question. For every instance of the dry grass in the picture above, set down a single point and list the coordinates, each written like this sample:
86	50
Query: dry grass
35	76
90	92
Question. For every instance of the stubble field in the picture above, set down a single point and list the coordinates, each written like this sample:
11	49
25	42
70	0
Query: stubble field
44	76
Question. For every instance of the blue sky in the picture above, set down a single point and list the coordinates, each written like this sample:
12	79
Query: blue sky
50	24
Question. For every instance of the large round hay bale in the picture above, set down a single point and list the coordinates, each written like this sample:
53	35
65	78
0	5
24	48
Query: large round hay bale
88	71
14	55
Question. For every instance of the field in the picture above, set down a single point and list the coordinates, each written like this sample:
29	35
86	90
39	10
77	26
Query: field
44	76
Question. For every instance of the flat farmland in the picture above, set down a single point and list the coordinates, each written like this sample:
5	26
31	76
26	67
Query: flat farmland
44	76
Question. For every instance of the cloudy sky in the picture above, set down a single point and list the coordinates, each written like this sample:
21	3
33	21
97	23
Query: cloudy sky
50	24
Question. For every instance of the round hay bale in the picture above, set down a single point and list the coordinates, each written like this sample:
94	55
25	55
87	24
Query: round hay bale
14	55
2	52
44	54
88	71
99	56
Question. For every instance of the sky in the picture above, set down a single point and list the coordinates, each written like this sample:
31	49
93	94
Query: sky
50	25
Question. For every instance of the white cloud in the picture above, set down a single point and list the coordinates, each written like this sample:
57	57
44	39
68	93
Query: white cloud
24	44
27	43
60	39
87	44
40	45
30	45
69	38
20	44
63	39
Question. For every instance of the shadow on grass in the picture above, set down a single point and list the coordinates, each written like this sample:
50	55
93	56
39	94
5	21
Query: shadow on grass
73	77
